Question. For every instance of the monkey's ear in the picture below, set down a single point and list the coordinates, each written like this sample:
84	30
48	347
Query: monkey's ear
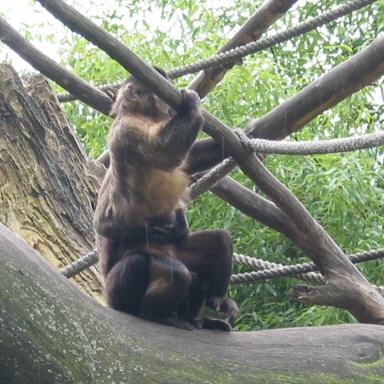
113	111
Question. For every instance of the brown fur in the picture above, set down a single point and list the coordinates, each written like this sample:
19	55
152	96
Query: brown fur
142	191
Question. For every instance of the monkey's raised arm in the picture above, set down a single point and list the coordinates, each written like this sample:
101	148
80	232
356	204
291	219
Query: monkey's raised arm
175	138
204	155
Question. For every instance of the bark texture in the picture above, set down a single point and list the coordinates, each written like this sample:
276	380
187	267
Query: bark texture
52	332
47	187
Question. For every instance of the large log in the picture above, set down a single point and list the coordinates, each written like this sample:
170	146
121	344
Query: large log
51	332
47	187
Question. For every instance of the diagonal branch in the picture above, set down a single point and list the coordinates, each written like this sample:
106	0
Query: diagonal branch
55	71
352	290
255	206
75	21
357	72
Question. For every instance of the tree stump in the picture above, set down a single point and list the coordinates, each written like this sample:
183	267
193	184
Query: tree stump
48	189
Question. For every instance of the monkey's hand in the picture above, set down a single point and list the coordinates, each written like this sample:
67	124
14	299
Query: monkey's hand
224	305
190	101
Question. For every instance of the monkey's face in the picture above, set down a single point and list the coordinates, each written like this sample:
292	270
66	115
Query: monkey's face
134	97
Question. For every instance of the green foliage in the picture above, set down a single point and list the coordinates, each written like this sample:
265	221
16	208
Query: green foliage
343	191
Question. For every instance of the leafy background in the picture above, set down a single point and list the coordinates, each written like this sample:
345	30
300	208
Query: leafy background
343	191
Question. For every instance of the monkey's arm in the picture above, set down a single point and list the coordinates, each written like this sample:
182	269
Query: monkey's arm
174	139
172	228
204	155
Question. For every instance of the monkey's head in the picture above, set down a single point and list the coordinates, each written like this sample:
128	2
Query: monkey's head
134	97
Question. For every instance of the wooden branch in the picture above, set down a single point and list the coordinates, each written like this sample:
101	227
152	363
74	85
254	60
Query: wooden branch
357	72
265	16
255	206
56	72
48	188
52	332
114	48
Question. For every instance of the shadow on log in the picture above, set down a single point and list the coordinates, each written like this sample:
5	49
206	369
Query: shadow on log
52	332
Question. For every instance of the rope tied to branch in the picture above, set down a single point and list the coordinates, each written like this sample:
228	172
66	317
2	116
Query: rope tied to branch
267	270
263	269
262	146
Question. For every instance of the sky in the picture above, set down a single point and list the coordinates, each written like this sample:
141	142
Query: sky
24	13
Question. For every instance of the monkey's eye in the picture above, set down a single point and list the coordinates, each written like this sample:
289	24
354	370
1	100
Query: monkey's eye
132	91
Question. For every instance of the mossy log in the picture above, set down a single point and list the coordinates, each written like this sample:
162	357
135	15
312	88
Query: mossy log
51	332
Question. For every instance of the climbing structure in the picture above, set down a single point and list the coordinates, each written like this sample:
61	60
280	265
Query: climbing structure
341	284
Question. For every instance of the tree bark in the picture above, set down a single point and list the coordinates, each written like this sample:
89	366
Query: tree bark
47	187
52	332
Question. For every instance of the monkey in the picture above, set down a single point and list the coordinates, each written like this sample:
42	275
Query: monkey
153	266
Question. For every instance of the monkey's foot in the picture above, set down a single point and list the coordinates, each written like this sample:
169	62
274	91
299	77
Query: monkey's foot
211	323
224	305
174	321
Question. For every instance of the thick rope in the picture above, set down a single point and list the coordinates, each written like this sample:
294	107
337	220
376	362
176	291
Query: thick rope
80	264
267	266
267	270
264	269
235	54
311	276
287	147
346	144
211	178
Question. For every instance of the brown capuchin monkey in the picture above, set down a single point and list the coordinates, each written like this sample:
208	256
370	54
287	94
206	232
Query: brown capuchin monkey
153	267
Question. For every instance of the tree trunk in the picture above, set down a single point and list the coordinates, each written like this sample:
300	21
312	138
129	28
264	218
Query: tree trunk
47	187
52	332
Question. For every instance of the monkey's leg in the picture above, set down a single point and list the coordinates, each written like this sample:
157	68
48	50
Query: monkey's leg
203	155
127	282
192	305
168	287
209	254
190	308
